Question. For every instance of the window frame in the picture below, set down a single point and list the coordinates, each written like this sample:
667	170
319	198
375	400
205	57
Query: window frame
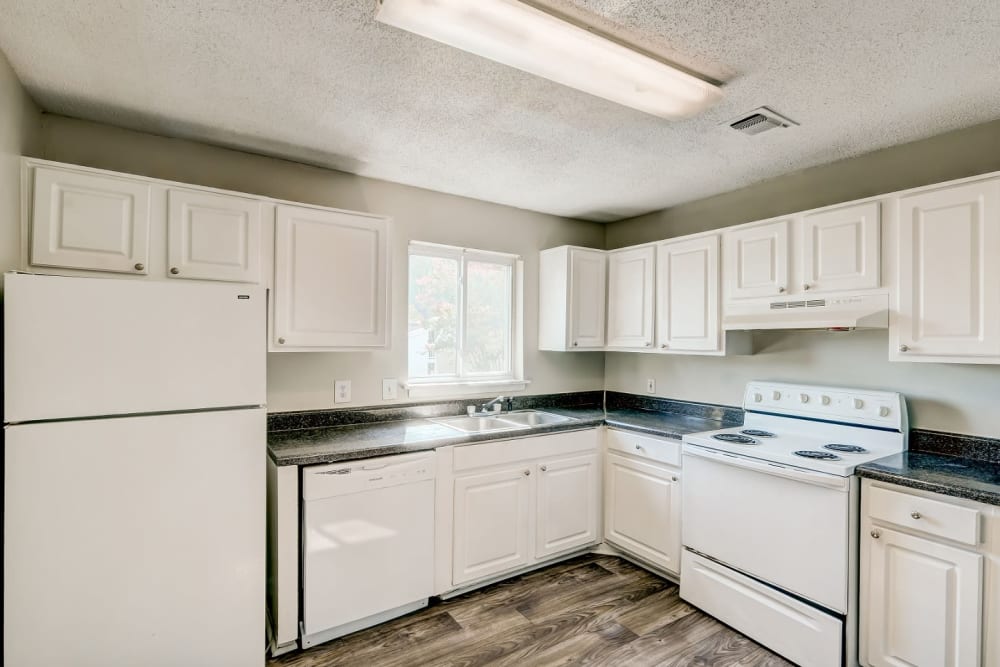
511	378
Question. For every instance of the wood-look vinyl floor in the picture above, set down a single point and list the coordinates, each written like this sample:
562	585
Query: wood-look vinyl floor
592	610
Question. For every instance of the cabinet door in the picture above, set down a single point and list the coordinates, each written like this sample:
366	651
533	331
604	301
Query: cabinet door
841	249
567	504
642	510
755	260
924	603
212	236
949	277
492	523
687	295
89	221
330	279
630	298
587	286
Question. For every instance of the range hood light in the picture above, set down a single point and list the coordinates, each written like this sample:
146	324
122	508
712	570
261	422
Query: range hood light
526	38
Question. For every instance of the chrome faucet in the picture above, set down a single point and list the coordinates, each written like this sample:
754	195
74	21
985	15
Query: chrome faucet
488	405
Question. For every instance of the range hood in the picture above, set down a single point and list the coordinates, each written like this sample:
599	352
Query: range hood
832	311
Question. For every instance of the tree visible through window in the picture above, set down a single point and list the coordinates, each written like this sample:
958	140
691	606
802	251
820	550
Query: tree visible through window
460	313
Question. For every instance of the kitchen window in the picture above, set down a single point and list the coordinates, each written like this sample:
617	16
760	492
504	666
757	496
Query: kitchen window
464	321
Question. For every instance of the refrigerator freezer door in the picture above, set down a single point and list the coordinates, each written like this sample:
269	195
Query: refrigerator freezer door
77	347
136	541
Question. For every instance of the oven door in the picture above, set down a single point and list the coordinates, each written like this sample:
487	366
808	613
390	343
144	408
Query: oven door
786	526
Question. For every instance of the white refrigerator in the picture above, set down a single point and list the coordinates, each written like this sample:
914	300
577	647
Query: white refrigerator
134	472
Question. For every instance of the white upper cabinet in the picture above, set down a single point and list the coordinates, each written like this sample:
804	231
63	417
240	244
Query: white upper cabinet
331	277
212	236
89	221
949	275
571	298
841	249
630	297
756	260
687	295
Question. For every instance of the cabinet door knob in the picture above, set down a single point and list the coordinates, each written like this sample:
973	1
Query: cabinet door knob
875	534
663	346
806	287
904	348
140	266
527	472
639	447
673	479
174	270
915	515
543	468
781	290
281	341
649	344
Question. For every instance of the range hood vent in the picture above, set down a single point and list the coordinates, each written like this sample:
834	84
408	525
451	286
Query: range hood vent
835	312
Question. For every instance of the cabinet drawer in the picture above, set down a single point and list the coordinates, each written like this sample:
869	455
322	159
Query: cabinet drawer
933	517
644	446
524	449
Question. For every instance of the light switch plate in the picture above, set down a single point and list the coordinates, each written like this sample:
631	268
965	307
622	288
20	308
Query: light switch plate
342	391
389	389
651	385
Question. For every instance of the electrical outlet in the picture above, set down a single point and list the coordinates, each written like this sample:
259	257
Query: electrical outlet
342	391
651	385
389	389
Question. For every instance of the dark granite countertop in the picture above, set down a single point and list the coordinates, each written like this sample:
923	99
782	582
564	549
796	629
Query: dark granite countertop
358	441
955	476
665	424
362	441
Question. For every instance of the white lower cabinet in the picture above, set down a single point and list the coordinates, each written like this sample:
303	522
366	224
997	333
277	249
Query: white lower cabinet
928	593
567	504
642	507
492	523
520	502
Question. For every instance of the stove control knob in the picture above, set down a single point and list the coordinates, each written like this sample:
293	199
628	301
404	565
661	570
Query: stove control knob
858	404
803	398
758	397
825	400
883	411
776	395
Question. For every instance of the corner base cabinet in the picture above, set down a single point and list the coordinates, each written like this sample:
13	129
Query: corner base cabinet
930	579
331	280
513	504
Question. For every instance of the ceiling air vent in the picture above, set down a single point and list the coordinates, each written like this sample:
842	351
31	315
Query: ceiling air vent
760	120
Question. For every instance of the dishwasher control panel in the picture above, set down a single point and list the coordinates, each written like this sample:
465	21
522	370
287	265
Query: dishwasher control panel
331	479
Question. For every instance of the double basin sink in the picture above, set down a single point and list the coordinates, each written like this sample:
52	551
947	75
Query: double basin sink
509	421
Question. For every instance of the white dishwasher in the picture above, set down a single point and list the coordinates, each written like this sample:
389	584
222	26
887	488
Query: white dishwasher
367	543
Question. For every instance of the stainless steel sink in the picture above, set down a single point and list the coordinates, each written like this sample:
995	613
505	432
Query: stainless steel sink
478	424
510	421
534	418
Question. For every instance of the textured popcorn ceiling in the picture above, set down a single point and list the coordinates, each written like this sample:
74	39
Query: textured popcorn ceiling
321	82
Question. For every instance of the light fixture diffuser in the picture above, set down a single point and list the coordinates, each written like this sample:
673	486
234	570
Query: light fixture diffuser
521	36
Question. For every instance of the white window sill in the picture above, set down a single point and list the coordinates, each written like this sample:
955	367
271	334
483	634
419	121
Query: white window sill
416	389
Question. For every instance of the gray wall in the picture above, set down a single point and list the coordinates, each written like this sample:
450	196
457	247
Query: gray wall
19	135
950	397
296	380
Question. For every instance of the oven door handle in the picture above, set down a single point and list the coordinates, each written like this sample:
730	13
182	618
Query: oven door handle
788	472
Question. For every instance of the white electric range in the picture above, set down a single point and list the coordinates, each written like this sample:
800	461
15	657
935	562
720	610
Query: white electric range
770	515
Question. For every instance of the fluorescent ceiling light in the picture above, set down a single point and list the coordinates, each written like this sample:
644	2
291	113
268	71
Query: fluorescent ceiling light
516	34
